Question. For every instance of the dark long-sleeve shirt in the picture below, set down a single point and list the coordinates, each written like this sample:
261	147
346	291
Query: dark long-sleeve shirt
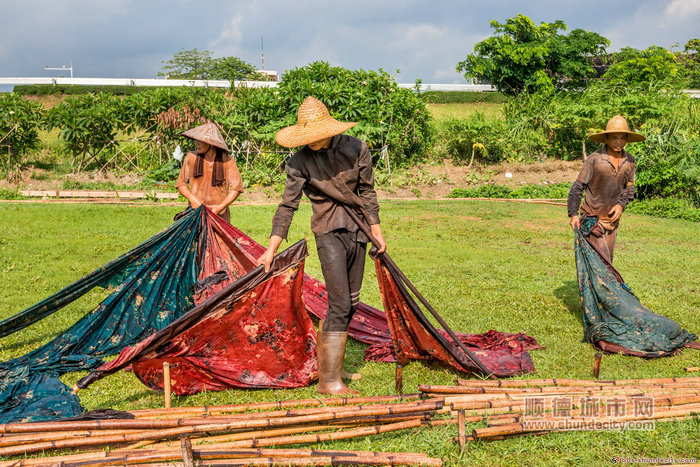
340	174
604	186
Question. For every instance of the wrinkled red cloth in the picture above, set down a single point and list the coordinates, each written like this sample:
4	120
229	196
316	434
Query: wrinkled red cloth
491	340
263	340
415	338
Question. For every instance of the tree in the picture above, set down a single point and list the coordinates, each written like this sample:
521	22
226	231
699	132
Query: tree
691	62
231	68
653	64
188	64
19	123
199	64
522	56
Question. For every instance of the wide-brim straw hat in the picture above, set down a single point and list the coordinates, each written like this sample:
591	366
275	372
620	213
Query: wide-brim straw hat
314	123
617	124
207	133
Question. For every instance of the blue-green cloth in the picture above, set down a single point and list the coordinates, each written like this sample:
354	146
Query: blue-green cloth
151	286
612	313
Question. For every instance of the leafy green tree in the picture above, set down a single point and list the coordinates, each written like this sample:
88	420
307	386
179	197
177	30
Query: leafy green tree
522	56
691	61
19	120
199	64
653	64
188	64
89	124
231	68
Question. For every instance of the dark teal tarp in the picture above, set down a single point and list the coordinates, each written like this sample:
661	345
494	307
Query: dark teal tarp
151	286
613	318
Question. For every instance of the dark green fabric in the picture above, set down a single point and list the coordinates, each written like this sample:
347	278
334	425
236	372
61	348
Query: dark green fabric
612	313
151	286
35	397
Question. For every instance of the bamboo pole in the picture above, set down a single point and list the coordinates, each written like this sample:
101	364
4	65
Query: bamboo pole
576	382
336	401
112	457
160	433
299	416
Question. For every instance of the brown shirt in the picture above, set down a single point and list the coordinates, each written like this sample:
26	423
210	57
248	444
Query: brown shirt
604	184
201	186
329	177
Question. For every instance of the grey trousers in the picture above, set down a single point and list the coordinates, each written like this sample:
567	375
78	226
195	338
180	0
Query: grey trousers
343	264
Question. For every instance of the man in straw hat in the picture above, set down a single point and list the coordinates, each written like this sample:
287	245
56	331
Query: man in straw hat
332	169
607	178
209	175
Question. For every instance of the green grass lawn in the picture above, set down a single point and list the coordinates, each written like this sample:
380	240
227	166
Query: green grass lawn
482	265
466	110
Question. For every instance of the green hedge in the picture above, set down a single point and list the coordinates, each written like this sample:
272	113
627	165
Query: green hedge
50	89
671	208
463	97
553	191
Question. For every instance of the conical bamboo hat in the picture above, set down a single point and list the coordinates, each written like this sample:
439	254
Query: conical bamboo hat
207	133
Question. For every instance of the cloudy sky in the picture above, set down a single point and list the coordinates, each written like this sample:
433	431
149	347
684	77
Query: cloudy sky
130	38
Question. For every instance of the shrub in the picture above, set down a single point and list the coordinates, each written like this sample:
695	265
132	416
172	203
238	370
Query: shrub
19	124
672	208
89	124
552	191
75	89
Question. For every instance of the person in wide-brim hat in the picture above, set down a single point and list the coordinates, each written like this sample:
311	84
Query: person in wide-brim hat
332	169
607	179
617	124
209	175
314	123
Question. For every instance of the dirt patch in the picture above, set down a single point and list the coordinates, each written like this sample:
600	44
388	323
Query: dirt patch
427	181
437	181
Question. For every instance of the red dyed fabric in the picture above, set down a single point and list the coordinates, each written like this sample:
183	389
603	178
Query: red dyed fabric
415	338
252	333
265	339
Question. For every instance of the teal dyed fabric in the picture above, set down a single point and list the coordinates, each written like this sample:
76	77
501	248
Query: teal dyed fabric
613	317
151	286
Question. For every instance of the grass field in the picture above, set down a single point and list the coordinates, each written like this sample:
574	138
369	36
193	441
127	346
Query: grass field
483	265
462	111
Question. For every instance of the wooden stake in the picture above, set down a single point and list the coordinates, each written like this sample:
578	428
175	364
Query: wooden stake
187	455
692	368
398	385
166	383
596	364
461	430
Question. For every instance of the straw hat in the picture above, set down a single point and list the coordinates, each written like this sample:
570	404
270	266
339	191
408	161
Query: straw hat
314	123
207	133
617	124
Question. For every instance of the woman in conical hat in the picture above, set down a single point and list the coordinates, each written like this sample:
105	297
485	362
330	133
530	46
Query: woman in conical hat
607	178
332	169
209	175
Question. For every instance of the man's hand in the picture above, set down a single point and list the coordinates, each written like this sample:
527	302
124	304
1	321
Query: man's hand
217	208
269	254
575	223
377	234
615	213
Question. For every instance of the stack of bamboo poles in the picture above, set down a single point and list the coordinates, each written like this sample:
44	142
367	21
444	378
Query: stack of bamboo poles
508	404
230	435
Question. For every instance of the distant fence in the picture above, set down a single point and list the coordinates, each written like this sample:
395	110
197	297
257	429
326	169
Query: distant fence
204	83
